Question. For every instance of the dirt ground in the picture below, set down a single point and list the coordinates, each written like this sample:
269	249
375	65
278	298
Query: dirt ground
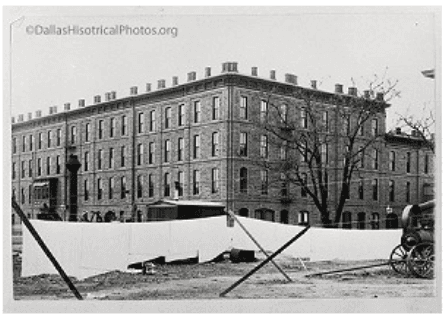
208	280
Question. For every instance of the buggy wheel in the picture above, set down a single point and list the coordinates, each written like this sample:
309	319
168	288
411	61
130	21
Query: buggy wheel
397	260
421	260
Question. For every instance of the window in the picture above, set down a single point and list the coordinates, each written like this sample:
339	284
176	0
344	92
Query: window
13	193
124	125
304	183
152	120
243	144
86	190
100	188
22	195
140	120
23	169
23	143
48	165
196	111
73	135
39	142
361	222
303	151
375	189
111	187
408	192
100	129
100	158
87	132
111	158
263	111
324	153
375	127
86	161
139	186
391	191
167	117
112	127
196	182
346	220
283	149
346	124
303	218
139	154
30	194
243	107
181	115
167	184
264	182
361	131
32	142
392	161
30	168
122	156
122	187
243	180
374	158
151	153
14	170
304	118
361	189
375	221
361	154
49	139
325	124
180	181
283	113
408	162
215	143
196	146
426	166
284	185
215	180
264	146
215	108
58	137
39	166
180	149
150	186
167	150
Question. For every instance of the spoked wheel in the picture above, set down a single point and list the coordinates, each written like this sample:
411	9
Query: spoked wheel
397	260
421	260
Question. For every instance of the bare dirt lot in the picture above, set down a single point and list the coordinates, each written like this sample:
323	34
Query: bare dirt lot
208	280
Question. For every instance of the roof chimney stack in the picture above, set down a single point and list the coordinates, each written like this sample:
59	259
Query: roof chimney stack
291	79
67	106
134	90
352	91
97	99
161	84
20	119
208	72
30	116
38	113
380	96
254	71
367	94
229	67
398	131
113	95
175	81
272	74
13	120
53	110
338	89
191	76
106	96
81	103
148	87
314	84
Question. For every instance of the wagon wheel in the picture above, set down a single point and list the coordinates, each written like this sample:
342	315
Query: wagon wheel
421	260
397	260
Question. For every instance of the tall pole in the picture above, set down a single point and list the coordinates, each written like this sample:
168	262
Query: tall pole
73	166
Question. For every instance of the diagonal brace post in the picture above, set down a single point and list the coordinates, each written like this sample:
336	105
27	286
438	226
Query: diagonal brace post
46	250
258	244
266	261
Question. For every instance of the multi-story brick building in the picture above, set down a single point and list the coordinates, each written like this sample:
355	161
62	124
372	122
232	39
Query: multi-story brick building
197	141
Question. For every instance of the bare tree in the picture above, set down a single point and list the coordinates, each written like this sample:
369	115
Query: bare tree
317	132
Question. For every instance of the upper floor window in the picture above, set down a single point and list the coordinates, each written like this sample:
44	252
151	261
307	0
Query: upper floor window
215	108
124	125
243	180
100	129
39	142
215	143
87	132
263	111
14	145
304	118
111	158
391	191
151	153
374	158
58	137
140	154
361	189
392	161
180	149
167	150
196	146
264	181
141	119
167	117
215	180
197	111
324	153
375	127
23	143
283	113
32	141
283	150
375	189
264	146
243	107
152	120
100	158
243	144
49	139
112	127
86	161
58	164
122	156
408	162
181	115
73	135
426	165
325	123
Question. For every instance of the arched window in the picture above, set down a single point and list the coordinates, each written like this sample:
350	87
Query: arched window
361	222
265	214
243	212
375	221
284	217
347	220
243	180
392	221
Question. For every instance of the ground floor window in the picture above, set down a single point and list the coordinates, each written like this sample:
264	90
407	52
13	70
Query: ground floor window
303	218
243	212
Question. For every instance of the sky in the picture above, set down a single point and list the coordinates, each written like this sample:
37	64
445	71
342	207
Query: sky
331	46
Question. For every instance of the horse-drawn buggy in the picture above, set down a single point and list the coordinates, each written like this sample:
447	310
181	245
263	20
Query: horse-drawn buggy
415	254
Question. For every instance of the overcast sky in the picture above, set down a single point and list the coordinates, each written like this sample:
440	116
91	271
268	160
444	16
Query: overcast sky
328	46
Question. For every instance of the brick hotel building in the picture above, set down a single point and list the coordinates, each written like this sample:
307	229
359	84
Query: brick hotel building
196	141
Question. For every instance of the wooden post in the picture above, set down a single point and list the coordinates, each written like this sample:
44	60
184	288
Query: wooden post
41	243
257	244
265	261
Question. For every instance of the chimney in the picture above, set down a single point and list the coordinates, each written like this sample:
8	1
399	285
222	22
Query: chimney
367	94
20	119
338	89
161	84
113	95
97	99
208	72
352	91
380	96
272	74
414	133
13	120
254	71
291	79
67	106
134	90
38	113
229	67
314	84
148	87
30	116
398	131
81	103
191	76
107	96
175	81
53	110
